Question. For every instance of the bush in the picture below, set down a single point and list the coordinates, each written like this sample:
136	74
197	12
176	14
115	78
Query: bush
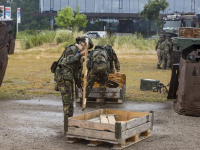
38	39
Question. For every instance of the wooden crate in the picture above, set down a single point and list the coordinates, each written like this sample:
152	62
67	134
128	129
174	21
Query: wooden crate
112	95
129	128
196	33
186	32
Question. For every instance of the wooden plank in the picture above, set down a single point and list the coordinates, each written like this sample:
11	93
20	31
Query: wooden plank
119	113
136	122
88	138
91	133
87	116
91	125
129	133
97	95
111	119
132	115
108	90
77	117
96	119
103	119
122	92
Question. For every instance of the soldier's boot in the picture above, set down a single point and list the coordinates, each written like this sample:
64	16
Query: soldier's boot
168	68
163	67
158	67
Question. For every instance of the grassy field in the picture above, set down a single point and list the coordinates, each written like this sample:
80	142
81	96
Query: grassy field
28	73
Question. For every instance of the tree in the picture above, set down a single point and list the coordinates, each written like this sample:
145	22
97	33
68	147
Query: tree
152	10
66	18
80	19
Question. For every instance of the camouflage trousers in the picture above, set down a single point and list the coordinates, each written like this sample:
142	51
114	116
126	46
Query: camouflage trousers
66	89
160	57
99	73
166	59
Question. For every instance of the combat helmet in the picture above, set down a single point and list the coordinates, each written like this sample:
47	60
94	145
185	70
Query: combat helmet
83	39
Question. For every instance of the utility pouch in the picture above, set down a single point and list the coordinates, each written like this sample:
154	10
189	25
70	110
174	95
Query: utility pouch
58	75
54	66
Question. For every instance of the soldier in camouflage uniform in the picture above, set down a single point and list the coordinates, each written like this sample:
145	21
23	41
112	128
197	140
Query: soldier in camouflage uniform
70	70
113	57
166	47
159	51
98	66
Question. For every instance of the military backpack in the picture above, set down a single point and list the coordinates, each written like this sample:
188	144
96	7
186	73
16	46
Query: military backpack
60	61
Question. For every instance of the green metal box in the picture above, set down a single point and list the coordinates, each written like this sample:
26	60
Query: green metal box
148	84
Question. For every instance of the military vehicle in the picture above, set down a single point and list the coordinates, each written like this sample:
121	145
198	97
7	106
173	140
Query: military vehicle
171	23
187	42
7	44
185	78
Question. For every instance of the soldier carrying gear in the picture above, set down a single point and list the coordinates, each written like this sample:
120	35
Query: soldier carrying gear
159	51
98	70
69	70
166	47
113	57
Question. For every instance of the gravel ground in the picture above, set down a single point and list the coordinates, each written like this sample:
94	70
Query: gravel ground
38	124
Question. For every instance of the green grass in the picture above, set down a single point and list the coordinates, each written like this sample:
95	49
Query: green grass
28	74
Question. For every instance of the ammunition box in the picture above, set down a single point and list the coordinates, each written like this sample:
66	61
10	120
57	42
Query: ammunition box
148	84
186	32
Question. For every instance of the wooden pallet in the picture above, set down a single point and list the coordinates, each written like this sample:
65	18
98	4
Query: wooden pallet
118	127
125	143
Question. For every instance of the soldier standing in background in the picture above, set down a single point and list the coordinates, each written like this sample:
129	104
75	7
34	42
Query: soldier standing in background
98	65
159	51
166	47
70	70
113	57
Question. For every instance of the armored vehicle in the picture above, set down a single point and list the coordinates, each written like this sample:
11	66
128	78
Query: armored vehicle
185	78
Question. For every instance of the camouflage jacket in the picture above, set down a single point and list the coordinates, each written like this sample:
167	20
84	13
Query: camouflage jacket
158	45
113	57
97	56
71	64
166	45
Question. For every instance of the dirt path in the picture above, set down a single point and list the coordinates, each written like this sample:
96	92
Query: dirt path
38	124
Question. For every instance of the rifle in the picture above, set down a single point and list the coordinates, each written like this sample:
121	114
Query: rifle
160	87
84	75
